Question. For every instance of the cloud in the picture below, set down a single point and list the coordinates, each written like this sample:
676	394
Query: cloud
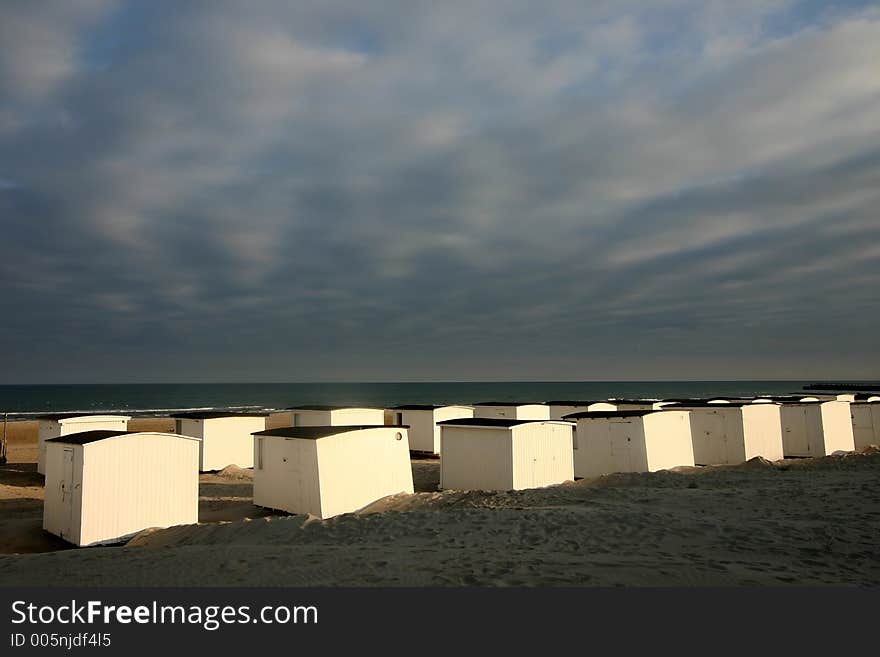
313	191
40	45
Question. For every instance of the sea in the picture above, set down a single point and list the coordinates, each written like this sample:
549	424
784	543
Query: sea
156	399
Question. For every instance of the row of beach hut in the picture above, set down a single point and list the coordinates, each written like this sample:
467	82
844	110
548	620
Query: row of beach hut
104	483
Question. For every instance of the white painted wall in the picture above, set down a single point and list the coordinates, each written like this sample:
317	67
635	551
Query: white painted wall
278	419
424	434
476	458
837	427
421	429
559	411
668	440
340	417
47	429
332	475
223	441
506	458
802	430
286	474
606	445
725	434
447	413
542	454
648	443
762	430
62	494
816	429
865	423
716	435
636	405
113	488
514	412
355	474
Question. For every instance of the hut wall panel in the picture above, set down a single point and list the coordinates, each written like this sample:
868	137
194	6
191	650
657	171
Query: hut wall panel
476	459
421	430
135	482
866	424
668	441
763	431
288	478
542	455
55	428
228	441
447	413
358	469
837	427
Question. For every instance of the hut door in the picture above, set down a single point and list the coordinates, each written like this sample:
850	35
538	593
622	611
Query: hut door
863	425
814	431
715	449
621	447
67	493
795	438
295	487
725	428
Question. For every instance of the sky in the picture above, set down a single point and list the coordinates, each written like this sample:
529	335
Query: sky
408	190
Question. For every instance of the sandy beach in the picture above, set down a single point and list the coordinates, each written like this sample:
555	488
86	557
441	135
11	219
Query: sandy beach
803	522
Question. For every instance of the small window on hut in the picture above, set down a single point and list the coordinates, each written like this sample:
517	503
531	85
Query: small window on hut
259	453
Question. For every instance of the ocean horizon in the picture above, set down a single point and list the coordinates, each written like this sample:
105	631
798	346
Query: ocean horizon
143	399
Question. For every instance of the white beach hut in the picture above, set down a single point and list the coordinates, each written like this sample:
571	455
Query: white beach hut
512	410
816	428
829	395
224	438
422	419
559	408
866	423
504	454
61	424
631	441
699	401
326	471
637	404
734	431
103	486
784	399
320	415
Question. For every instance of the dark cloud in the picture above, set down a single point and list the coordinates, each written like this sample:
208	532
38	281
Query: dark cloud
218	192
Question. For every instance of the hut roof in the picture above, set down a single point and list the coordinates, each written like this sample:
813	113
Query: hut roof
86	437
604	415
509	403
314	433
327	407
418	407
703	403
488	422
68	416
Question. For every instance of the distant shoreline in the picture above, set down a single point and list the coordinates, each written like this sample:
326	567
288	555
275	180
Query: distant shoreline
156	400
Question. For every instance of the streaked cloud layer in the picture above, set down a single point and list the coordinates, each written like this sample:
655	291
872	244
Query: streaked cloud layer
457	190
